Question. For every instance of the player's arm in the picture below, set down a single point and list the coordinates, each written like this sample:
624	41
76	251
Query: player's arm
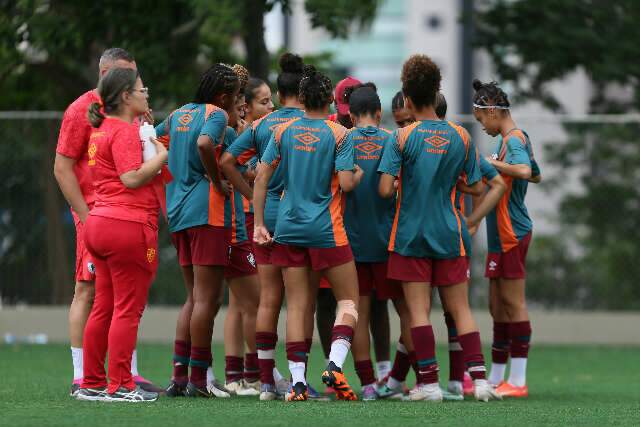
68	183
147	171
484	203
207	152
349	180
521	171
476	189
260	185
228	166
387	186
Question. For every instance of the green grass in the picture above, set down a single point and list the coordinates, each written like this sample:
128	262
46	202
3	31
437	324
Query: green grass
568	386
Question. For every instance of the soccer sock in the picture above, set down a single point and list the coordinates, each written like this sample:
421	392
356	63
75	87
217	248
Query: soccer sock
364	369
200	357
499	352
181	354
425	344
297	357
266	345
383	368
251	369
401	365
308	342
76	358
341	337
456	356
233	368
473	357
134	364
520	334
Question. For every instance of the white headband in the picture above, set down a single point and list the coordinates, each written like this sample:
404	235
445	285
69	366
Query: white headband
484	107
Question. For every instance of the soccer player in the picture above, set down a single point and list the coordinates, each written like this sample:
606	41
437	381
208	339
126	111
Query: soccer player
121	234
72	173
317	163
199	220
253	142
508	236
401	115
429	241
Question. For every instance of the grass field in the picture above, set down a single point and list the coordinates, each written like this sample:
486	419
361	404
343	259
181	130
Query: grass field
568	386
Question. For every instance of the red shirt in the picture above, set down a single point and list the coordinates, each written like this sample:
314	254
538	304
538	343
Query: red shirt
114	149
74	139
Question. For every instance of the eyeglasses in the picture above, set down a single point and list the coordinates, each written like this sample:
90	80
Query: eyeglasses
144	90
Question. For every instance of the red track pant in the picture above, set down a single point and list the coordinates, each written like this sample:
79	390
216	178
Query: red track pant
125	258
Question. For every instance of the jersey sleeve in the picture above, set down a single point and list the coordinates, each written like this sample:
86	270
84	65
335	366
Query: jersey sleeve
487	169
271	155
517	153
244	147
391	157
73	137
126	150
215	126
344	155
472	165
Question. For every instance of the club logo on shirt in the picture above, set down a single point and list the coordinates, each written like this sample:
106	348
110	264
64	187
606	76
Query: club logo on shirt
251	260
308	139
437	142
151	255
370	149
93	148
492	265
91	268
184	120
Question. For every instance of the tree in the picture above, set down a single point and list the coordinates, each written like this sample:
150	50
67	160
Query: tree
533	43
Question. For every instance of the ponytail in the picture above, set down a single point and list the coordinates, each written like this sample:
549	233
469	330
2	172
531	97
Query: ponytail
95	115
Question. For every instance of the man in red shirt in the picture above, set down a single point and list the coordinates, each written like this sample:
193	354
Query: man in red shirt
342	105
72	173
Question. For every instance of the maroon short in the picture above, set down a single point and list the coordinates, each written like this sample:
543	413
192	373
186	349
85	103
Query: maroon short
85	269
248	220
262	254
510	264
241	261
202	245
373	275
317	258
437	272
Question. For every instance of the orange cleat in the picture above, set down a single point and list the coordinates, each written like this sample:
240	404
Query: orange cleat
334	378
507	390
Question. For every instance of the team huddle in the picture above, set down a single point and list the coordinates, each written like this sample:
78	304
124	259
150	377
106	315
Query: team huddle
333	212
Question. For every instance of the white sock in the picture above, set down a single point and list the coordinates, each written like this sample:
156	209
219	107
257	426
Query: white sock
277	376
134	364
297	372
76	358
339	350
497	373
382	369
518	372
393	383
211	377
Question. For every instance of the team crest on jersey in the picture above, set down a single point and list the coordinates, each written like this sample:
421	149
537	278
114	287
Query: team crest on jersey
492	265
91	267
151	255
307	138
252	260
185	119
93	149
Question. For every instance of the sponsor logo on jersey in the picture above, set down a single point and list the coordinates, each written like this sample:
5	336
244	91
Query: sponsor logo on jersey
308	139
151	255
93	149
370	149
437	142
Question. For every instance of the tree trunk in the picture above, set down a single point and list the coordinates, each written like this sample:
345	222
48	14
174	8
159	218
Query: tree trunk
253	36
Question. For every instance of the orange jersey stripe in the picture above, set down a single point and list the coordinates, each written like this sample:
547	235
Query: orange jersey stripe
216	207
335	209
508	237
394	228
456	213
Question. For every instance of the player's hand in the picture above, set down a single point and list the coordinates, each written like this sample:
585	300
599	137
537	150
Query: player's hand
225	187
147	116
241	126
250	175
471	226
396	184
83	215
261	235
357	175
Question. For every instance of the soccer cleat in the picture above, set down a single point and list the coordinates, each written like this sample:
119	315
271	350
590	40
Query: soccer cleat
92	394
175	390
298	393
427	392
75	388
452	395
268	392
386	392
282	387
239	388
217	389
467	384
147	385
483	391
382	381
191	390
507	390
369	393
253	384
137	395
333	377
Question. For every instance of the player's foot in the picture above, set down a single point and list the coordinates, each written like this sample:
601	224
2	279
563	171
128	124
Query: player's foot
452	396
239	388
483	391
147	385
217	389
75	388
268	392
333	377
467	384
298	393
282	387
428	392
191	390
386	392
507	390
369	393
314	394
329	391
137	395
382	381
92	394
253	384
175	389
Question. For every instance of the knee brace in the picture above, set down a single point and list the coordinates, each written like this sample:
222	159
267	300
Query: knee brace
346	306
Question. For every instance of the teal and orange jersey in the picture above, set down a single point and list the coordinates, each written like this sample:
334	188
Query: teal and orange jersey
235	201
428	157
191	198
509	221
367	216
487	171
248	204
310	153
253	143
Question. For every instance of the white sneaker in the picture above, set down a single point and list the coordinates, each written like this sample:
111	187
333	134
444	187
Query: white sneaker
239	388
217	389
254	385
268	392
282	387
428	392
484	392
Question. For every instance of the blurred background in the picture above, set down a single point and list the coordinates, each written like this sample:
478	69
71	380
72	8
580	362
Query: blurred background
570	67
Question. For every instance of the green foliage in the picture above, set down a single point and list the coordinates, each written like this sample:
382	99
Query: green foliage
336	16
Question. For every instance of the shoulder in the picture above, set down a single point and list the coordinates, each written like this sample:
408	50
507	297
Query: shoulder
261	120
80	106
281	128
214	112
461	132
386	131
338	131
517	136
402	134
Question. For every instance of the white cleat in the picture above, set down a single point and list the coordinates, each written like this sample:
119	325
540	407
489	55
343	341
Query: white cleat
484	392
217	389
268	392
428	392
240	388
282	387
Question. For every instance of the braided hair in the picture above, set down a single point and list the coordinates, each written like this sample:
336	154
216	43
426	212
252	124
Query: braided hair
490	95
217	80
316	90
243	76
421	80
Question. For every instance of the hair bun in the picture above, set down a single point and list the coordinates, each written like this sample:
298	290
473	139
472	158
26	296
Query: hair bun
477	84
291	63
309	70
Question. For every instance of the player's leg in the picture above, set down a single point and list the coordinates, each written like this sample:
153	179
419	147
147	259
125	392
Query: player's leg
380	331
233	346
455	389
501	343
361	348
